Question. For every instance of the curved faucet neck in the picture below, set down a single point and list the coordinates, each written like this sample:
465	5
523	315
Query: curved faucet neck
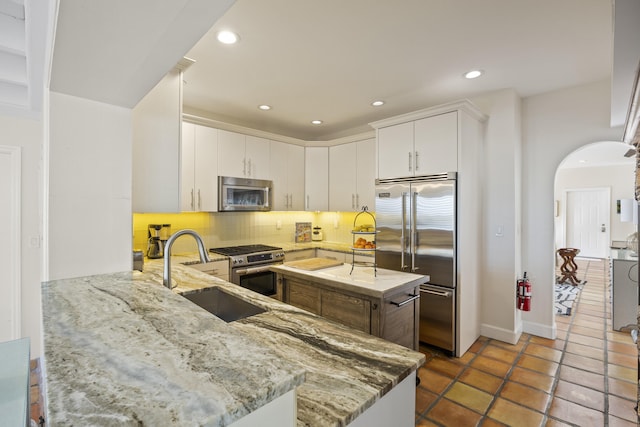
202	251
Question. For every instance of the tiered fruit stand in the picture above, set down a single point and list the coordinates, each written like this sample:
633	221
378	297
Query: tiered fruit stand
363	232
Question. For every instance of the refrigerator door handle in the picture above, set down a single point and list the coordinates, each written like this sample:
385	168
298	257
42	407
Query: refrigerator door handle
402	233
414	236
445	294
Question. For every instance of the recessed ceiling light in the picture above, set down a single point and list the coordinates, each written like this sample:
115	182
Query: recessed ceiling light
227	37
316	122
264	107
473	74
582	161
377	103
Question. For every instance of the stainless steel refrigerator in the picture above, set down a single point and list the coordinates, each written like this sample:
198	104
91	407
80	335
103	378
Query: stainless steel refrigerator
416	221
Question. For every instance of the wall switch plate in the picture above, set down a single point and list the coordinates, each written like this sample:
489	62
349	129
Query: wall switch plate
278	225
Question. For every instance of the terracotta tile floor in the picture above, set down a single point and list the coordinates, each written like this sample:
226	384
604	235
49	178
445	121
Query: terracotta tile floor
586	377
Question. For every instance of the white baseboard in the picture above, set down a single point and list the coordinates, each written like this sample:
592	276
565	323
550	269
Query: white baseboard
540	330
500	334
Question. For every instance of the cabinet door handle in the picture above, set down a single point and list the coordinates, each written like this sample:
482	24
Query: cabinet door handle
353	201
249	167
199	200
417	165
244	167
357	201
409	161
193	206
307	201
412	297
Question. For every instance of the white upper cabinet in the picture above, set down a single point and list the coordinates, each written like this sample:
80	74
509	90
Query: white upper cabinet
422	147
366	179
342	177
287	174
231	150
242	156
199	174
257	159
436	144
395	151
156	147
352	176
316	178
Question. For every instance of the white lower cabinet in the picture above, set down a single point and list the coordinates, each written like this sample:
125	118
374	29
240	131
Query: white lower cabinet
280	412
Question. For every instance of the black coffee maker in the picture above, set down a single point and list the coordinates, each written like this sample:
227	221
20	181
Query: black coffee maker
158	236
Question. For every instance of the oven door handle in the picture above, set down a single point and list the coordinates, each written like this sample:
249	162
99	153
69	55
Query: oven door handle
253	270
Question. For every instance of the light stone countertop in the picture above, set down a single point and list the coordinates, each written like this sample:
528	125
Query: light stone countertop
361	280
120	349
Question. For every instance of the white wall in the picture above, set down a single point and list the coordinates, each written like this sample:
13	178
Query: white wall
27	134
619	178
554	125
89	222
501	254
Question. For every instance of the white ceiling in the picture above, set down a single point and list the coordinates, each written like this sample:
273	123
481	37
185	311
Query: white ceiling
315	59
116	51
329	59
605	153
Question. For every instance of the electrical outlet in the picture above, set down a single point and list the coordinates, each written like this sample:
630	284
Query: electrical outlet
278	225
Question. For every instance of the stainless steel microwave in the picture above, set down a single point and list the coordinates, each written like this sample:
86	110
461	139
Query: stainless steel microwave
244	194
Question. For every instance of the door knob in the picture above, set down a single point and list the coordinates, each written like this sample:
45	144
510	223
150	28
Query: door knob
603	228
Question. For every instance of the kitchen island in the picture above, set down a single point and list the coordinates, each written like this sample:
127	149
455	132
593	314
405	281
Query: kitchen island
120	349
381	302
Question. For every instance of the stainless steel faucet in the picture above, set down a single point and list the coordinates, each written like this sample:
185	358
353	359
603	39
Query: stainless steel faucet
166	279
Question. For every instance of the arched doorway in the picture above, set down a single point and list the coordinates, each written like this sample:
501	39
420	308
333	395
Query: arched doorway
588	184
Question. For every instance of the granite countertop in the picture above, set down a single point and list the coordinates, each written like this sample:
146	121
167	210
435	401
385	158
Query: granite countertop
122	349
189	257
624	255
323	244
363	280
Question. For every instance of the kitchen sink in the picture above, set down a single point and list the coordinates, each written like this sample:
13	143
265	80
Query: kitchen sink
221	304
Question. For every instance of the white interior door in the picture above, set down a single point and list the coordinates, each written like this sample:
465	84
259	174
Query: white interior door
9	242
587	220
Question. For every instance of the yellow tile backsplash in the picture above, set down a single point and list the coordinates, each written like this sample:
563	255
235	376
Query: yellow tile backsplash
238	228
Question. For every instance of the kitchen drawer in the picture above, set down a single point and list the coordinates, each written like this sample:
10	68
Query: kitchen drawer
401	322
219	269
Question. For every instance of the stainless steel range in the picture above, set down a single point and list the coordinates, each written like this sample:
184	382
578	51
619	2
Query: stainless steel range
249	266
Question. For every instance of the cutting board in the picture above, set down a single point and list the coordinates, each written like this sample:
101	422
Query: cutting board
312	264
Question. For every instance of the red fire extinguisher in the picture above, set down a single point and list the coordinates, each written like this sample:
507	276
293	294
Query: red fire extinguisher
524	293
